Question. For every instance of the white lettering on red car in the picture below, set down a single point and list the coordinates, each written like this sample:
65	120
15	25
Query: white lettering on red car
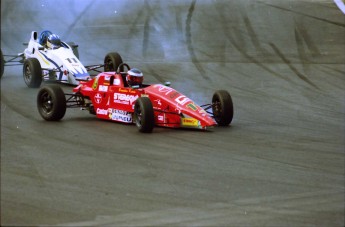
101	111
124	99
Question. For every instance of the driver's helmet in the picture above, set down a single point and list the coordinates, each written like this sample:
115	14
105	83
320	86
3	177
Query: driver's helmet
134	77
53	41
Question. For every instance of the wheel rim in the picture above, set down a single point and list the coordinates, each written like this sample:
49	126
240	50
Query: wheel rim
138	116
217	110
27	74
46	102
109	65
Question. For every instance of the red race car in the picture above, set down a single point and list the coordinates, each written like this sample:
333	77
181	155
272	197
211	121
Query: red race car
118	95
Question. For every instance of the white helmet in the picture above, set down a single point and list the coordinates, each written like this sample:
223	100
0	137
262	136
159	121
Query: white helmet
134	77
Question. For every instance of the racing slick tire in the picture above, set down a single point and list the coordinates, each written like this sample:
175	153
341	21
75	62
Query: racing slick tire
2	64
32	72
112	61
222	107
144	115
51	103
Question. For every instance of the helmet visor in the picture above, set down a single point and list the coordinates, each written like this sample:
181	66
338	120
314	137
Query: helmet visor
135	80
55	42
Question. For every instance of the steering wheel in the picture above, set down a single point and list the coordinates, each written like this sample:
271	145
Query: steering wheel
121	66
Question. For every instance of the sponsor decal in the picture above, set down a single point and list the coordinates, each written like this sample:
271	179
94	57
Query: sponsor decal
124	99
95	83
182	100
192	106
170	92
158	102
191	122
174	94
103	88
98	98
123	90
116	82
160	118
164	89
101	111
127	90
120	115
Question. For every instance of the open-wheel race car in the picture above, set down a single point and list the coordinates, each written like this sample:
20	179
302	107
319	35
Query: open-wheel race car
48	58
110	97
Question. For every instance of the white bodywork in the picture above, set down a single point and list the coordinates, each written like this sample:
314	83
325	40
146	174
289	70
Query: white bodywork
57	64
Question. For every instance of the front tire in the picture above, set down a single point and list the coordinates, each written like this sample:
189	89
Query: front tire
32	72
112	61
51	103
222	106
144	115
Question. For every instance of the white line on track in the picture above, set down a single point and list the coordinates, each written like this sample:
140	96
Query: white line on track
340	5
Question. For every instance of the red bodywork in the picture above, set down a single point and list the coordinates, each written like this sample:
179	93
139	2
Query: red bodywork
113	100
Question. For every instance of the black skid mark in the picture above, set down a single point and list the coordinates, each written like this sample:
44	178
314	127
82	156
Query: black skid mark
71	27
190	43
306	15
288	63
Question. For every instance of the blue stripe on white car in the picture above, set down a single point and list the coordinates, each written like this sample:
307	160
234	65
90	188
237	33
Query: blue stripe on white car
61	73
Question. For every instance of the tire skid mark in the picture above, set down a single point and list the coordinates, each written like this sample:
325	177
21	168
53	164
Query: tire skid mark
301	35
305	43
257	45
287	62
306	15
302	31
253	36
300	47
190	43
335	70
229	35
146	33
155	75
15	108
71	27
132	28
146	38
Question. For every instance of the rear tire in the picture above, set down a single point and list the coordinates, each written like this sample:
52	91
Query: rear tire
51	103
144	115
112	61
222	106
32	72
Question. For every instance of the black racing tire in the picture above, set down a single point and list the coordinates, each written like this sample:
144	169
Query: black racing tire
74	48
32	72
2	64
51	102
112	61
144	115
222	107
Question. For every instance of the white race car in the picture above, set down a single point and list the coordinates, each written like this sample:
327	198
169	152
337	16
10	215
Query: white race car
49	62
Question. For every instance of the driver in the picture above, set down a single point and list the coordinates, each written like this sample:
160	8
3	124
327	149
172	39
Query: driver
53	41
134	77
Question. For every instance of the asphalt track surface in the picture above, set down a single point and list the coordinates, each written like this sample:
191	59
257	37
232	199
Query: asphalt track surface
280	163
